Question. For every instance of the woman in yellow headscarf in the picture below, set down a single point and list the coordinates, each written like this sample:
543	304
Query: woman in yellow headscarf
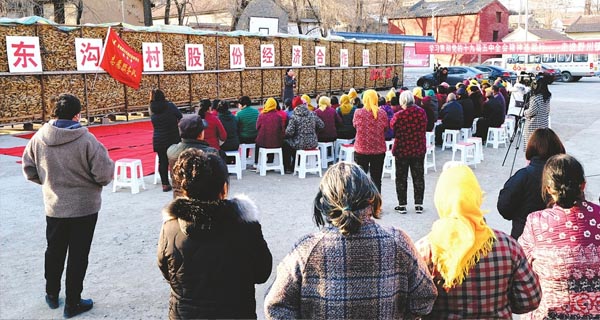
369	147
469	261
270	105
352	94
306	99
390	95
269	126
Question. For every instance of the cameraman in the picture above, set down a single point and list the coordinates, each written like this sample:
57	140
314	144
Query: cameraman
517	95
537	110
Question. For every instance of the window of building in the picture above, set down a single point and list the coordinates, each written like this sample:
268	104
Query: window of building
498	16
495	36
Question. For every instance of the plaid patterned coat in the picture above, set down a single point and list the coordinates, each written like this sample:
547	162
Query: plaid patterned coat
500	284
374	274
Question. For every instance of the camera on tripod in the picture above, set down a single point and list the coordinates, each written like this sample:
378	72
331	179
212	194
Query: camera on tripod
529	79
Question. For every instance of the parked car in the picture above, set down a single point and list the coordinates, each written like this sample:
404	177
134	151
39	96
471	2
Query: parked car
456	74
497	72
555	73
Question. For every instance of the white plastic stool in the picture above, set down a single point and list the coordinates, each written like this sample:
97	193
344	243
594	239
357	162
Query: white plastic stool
277	164
430	159
430	138
156	175
338	143
244	147
236	167
478	148
465	133
449	138
509	123
474	126
327	153
136	178
389	144
346	153
467	152
496	136
304	165
389	165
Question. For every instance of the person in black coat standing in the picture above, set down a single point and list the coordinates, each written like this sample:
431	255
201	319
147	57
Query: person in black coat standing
164	117
467	106
492	116
211	250
522	193
230	123
452	118
289	83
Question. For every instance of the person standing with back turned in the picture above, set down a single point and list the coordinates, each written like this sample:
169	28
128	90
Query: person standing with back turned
72	167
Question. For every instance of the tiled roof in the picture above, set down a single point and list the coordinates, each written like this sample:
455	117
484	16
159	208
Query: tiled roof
585	24
549	34
444	8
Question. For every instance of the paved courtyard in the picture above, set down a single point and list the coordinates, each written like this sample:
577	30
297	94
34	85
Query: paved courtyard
123	278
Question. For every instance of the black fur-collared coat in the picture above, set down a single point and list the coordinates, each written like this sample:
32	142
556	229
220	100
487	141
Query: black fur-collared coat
212	254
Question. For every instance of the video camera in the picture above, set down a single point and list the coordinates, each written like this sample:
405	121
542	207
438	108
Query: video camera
530	80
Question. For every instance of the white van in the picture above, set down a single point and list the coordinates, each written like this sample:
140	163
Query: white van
498	62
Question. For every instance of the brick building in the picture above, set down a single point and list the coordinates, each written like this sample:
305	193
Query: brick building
454	21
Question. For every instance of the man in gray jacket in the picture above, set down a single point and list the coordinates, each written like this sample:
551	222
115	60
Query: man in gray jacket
72	167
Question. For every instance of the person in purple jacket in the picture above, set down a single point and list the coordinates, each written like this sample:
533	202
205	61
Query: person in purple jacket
330	118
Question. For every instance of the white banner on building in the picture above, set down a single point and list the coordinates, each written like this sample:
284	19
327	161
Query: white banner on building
267	55
194	57
153	56
365	57
320	56
87	53
344	58
237	59
23	54
296	56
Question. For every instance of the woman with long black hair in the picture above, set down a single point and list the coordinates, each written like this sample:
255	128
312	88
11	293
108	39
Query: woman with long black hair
538	112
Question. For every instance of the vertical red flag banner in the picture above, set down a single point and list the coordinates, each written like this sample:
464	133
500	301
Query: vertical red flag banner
120	61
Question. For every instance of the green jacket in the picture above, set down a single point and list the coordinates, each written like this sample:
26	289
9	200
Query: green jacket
247	122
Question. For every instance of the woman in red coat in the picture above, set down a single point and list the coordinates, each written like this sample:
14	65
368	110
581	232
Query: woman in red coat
269	126
214	131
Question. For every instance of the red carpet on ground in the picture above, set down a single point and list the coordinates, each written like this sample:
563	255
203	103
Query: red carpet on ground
126	140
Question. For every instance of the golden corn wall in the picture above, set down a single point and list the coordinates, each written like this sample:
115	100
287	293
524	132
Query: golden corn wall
26	98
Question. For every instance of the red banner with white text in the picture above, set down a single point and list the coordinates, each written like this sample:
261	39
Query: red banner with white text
589	46
120	61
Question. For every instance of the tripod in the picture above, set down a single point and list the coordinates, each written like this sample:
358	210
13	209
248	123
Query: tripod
517	134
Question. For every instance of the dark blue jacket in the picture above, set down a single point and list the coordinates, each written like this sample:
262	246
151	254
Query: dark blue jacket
164	116
521	195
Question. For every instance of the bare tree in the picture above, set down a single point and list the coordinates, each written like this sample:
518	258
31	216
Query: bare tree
181	6
147	12
59	11
167	11
79	7
236	12
297	15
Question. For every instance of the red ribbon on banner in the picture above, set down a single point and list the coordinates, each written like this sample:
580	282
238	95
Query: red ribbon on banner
590	46
120	61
